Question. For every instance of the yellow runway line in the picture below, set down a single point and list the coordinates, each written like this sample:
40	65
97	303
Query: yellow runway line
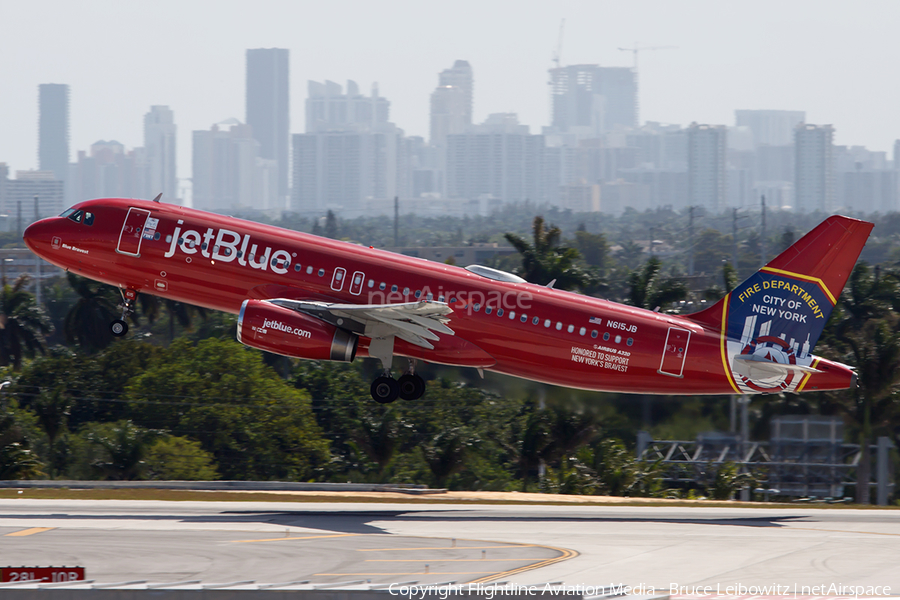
286	539
566	554
444	548
407	573
30	531
448	559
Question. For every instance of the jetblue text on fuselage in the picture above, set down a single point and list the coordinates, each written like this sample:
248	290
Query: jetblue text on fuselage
226	245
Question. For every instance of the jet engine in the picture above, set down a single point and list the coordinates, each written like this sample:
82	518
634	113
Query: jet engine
266	326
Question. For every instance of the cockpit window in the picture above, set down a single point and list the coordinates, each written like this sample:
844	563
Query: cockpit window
79	216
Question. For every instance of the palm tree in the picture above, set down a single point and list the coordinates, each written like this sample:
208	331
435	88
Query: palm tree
125	446
545	260
22	324
87	323
17	460
52	411
646	289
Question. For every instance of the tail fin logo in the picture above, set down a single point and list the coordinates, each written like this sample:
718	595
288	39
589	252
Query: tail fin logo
774	319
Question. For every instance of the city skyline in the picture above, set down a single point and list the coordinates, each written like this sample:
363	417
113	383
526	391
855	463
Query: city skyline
727	58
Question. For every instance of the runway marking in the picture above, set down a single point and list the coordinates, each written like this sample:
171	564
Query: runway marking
285	539
406	573
566	554
443	548
448	559
845	531
30	531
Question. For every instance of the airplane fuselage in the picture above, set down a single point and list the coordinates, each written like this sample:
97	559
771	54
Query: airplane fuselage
519	329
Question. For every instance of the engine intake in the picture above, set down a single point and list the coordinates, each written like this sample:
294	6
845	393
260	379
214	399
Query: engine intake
265	326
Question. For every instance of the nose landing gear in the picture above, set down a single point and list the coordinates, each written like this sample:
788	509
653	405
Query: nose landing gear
119	327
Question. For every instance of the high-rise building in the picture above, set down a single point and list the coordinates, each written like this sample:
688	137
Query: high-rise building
53	141
159	143
814	168
20	193
770	127
328	108
451	102
589	100
109	171
498	160
268	107
228	173
707	168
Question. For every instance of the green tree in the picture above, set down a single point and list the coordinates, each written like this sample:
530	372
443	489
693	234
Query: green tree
223	395
124	447
87	322
23	324
646	289
174	458
544	260
52	408
17	460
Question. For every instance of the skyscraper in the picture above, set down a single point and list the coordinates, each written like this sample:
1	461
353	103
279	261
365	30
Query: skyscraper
268	107
814	167
707	169
451	102
770	127
589	100
159	142
53	141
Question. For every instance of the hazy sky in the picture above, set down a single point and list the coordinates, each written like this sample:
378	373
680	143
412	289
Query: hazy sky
836	60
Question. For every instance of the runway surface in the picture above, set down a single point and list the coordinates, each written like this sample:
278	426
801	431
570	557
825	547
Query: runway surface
652	546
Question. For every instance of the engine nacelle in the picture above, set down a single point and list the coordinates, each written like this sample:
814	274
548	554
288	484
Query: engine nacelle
266	326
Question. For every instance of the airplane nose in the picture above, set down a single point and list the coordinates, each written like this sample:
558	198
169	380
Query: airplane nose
38	236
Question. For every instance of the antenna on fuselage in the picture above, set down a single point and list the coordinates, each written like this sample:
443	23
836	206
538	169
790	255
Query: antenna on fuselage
158	196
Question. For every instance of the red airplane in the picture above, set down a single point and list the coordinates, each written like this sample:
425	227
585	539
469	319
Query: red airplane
309	297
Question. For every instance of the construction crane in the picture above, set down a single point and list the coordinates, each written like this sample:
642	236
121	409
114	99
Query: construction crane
634	51
557	54
638	49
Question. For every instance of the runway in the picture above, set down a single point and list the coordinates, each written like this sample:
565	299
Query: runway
650	546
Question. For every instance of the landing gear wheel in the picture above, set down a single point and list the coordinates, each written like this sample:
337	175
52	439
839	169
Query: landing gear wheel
118	327
412	386
385	390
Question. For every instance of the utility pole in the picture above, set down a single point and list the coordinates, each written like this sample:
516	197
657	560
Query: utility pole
691	241
396	221
19	218
37	260
762	241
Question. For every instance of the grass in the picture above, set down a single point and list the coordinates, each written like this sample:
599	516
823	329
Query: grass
227	496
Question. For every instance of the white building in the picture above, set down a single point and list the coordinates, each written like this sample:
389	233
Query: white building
707	169
814	168
159	142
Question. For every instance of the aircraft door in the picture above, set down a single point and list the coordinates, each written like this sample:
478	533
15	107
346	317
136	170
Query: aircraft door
675	352
132	231
337	281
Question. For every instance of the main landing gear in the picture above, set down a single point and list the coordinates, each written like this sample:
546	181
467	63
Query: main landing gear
119	327
385	389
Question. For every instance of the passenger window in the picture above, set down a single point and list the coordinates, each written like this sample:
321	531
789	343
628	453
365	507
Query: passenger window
499	312
488	310
535	320
309	270
594	333
524	318
571	328
582	331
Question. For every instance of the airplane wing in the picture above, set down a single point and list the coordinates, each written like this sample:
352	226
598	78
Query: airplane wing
414	322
